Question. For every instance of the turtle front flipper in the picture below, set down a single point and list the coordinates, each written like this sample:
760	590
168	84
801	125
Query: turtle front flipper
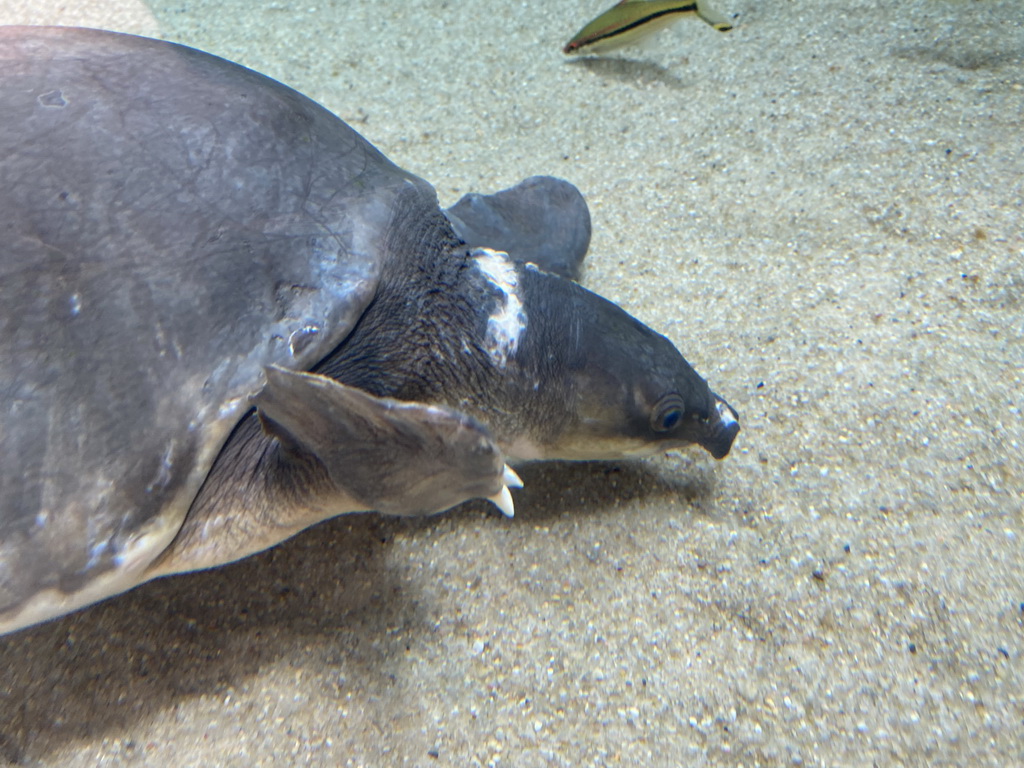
315	449
381	454
542	220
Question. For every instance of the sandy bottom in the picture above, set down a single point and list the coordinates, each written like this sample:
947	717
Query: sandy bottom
823	210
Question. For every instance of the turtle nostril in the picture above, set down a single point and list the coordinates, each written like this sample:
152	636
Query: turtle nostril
724	412
722	428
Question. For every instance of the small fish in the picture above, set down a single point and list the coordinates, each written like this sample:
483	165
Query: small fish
630	20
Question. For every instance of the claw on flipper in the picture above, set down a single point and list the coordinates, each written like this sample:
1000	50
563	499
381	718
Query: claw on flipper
512	480
503	501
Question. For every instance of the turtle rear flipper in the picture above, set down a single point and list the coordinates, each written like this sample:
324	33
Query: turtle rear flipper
542	220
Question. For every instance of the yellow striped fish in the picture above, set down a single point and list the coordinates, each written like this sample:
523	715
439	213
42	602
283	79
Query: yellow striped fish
631	20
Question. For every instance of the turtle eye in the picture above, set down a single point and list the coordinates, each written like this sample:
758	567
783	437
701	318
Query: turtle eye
667	414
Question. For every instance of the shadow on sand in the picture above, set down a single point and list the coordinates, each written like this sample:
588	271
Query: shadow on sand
99	671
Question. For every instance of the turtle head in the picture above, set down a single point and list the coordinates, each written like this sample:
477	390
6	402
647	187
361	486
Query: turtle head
596	383
553	370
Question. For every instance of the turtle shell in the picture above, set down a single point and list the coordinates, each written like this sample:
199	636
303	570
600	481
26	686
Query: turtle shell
170	223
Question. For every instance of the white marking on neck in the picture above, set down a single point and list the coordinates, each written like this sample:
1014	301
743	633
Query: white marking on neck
506	326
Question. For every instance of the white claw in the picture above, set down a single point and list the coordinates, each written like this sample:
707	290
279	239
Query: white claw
503	501
512	480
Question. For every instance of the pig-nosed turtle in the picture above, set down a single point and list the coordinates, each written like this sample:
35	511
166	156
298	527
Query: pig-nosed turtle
225	316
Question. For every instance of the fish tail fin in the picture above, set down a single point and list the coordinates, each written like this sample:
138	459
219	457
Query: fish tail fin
713	17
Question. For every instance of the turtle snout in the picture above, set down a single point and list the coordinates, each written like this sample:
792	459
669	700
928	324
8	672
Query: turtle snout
720	429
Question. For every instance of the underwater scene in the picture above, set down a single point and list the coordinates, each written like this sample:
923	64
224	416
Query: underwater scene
820	204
